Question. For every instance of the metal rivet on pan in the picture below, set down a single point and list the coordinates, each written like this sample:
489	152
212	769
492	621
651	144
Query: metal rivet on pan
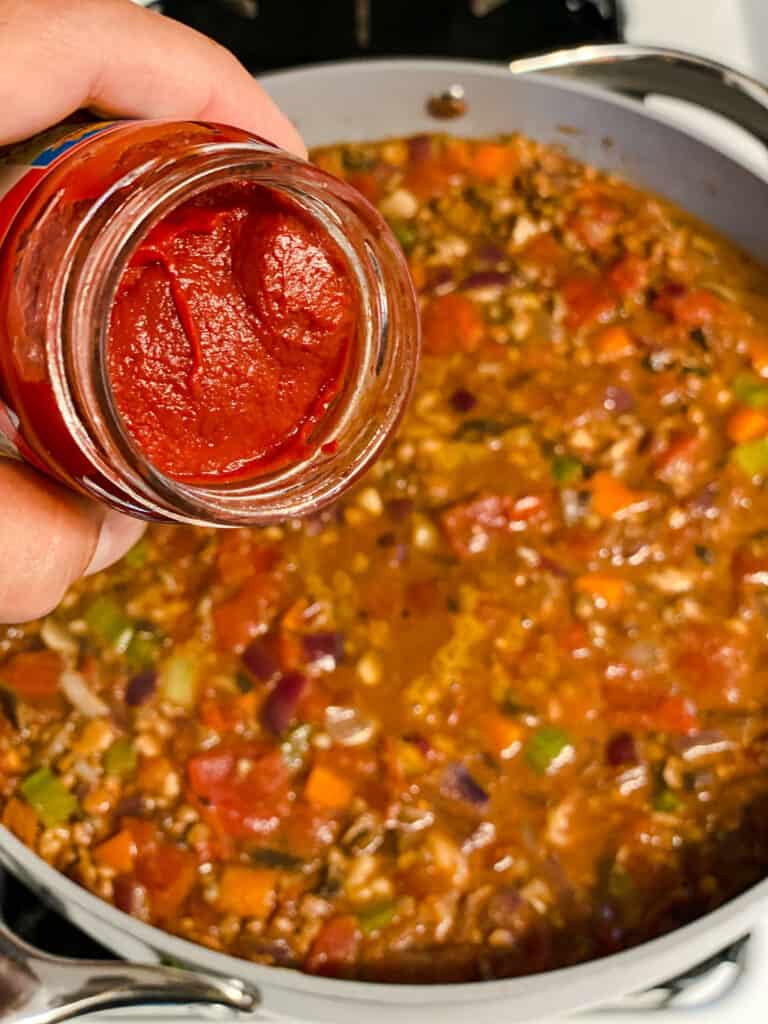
450	103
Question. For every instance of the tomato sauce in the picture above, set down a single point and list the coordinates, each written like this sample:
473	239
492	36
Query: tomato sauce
230	336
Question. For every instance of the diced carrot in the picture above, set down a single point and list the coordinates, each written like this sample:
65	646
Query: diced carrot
247	892
493	161
758	355
595	221
34	676
452	323
608	590
325	788
169	875
588	299
546	255
611	497
152	774
118	852
613	343
503	735
21	819
418	275
747	425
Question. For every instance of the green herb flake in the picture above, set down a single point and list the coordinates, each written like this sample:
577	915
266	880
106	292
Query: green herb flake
49	798
750	390
478	429
752	457
566	469
108	621
373	919
667	802
120	759
548	749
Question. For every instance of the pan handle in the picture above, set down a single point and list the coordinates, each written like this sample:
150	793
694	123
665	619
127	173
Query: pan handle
36	988
639	70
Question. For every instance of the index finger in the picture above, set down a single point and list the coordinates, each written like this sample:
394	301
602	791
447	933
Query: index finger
59	55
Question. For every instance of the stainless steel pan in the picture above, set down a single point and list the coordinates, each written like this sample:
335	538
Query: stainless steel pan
371	100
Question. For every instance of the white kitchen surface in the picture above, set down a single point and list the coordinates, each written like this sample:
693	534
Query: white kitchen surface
734	32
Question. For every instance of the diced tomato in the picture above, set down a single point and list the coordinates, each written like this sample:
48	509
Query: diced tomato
243	616
242	804
588	300
308	830
34	676
335	949
635	708
676	464
494	161
716	666
694	307
470	525
629	275
432	177
224	712
168	874
595	221
238	556
452	323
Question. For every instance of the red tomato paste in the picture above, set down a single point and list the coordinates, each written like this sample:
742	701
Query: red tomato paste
230	335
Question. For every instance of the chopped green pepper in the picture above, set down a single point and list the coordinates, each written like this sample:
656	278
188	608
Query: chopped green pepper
547	748
136	558
750	390
120	759
667	801
178	680
373	919
752	456
477	429
108	621
405	235
142	649
49	798
565	469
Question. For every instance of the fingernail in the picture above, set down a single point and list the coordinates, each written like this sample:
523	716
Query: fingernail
118	534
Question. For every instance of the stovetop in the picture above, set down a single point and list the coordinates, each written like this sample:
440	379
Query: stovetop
268	34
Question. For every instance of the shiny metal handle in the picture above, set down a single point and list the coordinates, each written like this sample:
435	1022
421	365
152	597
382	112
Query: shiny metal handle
36	988
639	70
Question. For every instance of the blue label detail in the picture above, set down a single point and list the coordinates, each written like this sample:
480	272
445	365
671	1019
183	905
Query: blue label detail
47	156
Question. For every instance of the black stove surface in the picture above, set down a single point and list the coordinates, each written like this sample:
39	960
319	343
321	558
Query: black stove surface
267	34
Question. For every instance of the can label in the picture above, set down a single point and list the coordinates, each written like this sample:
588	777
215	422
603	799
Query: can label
22	166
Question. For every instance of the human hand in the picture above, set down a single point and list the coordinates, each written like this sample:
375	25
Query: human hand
57	56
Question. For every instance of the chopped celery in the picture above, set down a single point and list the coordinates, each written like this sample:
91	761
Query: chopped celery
108	621
752	457
750	390
48	797
178	680
373	919
565	469
547	749
120	758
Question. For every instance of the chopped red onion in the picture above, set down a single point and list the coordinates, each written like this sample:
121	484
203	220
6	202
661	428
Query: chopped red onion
621	749
399	509
130	897
140	688
419	148
260	662
702	744
459	784
488	252
485	279
463	400
279	708
347	727
324	650
75	689
618	399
